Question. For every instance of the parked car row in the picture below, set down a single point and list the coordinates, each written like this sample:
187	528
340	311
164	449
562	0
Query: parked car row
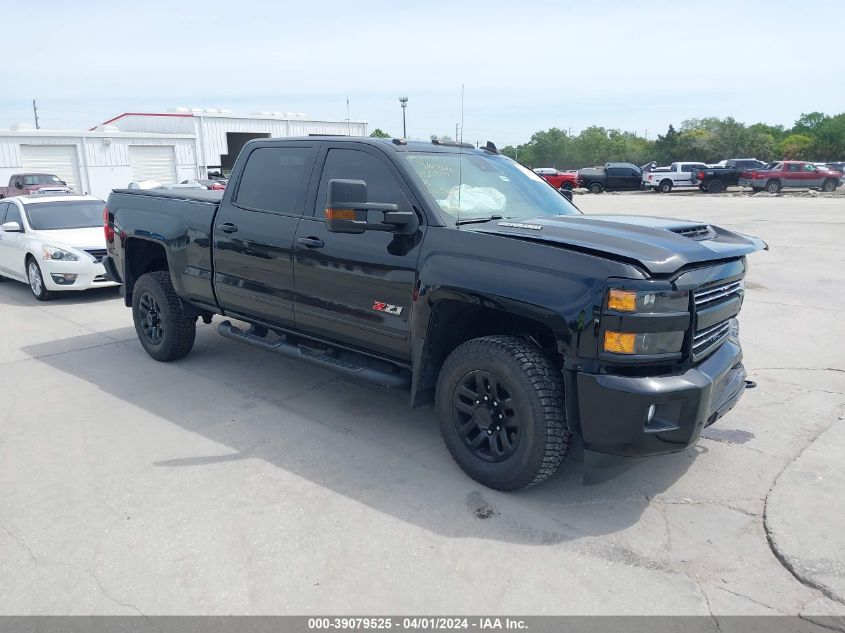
747	172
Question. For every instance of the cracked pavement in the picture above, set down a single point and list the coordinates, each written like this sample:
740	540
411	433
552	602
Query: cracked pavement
236	482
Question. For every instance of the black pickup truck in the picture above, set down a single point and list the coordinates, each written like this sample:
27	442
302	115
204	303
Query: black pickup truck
460	276
716	178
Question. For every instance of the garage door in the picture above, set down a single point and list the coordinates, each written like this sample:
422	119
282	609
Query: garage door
52	159
153	162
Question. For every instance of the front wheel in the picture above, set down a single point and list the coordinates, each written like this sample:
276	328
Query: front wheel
500	402
829	185
596	188
162	330
36	280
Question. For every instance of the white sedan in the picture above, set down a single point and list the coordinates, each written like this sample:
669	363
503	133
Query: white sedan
53	243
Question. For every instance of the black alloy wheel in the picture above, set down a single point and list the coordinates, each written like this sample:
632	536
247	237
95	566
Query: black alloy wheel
484	416
151	322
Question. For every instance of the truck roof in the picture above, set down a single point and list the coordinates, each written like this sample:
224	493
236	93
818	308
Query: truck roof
399	145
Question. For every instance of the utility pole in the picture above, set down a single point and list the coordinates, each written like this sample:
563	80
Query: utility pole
404	103
35	112
348	121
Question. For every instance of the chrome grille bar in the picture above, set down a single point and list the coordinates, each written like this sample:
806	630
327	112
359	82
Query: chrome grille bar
708	295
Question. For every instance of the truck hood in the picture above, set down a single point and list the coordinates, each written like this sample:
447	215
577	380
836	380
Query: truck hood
89	237
659	245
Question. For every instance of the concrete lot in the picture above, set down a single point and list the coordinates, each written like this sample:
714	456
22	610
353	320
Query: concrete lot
238	482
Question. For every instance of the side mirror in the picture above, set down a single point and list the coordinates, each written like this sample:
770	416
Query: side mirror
18	184
11	227
348	211
63	182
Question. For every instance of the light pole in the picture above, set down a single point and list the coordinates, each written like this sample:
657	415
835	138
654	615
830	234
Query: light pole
404	102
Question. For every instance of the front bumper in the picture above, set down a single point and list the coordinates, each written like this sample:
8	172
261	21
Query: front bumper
89	274
614	410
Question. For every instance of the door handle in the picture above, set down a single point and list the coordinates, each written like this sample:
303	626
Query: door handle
227	227
311	242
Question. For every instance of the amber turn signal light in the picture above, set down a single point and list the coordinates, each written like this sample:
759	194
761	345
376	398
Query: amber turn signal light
622	300
619	342
340	214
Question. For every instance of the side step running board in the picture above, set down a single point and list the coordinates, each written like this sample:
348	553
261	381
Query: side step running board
361	367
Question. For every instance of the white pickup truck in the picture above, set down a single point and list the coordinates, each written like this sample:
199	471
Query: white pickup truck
664	179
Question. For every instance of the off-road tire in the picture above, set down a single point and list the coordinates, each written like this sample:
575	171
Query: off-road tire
665	186
535	387
178	332
715	186
829	185
596	187
773	186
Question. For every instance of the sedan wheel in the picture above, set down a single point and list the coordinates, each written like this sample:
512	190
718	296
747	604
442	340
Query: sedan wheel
36	281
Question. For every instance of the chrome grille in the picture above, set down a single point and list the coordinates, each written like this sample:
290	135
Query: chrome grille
708	338
713	294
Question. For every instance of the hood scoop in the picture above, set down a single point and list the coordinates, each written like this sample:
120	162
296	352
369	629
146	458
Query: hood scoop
698	232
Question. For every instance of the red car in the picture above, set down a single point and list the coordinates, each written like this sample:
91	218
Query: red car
566	180
791	173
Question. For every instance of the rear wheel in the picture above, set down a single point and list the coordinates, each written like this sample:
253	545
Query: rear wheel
665	186
162	330
773	186
36	280
715	186
829	185
596	187
500	402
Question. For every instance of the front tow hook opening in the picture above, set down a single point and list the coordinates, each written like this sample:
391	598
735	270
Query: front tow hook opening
750	384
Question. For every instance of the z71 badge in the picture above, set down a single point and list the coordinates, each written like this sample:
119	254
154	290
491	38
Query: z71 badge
381	306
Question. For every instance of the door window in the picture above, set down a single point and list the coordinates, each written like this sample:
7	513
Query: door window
353	164
14	215
793	167
616	172
272	179
809	167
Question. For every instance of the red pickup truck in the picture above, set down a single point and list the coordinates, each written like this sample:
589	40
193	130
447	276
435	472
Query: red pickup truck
25	184
791	173
566	180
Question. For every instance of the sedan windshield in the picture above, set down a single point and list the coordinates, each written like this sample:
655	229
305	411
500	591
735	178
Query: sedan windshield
474	186
47	216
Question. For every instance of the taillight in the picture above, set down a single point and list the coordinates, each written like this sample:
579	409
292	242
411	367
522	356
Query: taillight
107	227
700	175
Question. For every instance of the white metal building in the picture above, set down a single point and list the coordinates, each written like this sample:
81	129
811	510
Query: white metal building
96	162
221	135
166	147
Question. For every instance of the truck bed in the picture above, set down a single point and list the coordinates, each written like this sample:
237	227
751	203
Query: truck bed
183	221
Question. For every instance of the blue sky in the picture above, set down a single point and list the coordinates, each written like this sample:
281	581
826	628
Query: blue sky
634	65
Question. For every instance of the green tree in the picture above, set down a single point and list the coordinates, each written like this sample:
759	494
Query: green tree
379	133
796	147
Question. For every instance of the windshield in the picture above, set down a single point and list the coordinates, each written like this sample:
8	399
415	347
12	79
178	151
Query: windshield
48	216
41	179
470	186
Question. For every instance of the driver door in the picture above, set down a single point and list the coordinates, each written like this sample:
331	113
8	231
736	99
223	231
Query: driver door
357	288
11	252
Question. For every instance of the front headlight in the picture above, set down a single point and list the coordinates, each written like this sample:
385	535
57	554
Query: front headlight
57	254
648	301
